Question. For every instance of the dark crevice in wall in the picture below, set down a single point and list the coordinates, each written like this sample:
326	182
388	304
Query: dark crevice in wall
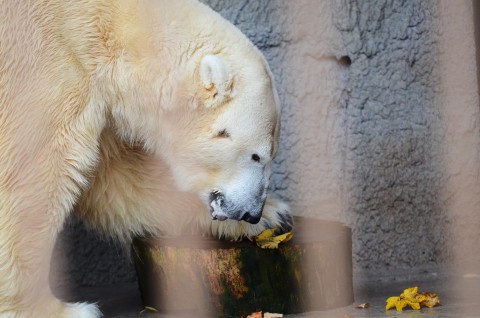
345	60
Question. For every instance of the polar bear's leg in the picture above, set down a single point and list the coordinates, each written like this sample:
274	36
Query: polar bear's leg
28	230
57	309
81	310
36	196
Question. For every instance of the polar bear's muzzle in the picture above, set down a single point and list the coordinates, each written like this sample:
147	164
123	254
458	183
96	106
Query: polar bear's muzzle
221	208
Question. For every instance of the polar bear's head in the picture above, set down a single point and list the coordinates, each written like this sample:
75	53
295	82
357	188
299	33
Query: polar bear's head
221	145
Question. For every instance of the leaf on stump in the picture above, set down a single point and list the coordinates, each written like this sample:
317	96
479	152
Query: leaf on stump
267	238
266	234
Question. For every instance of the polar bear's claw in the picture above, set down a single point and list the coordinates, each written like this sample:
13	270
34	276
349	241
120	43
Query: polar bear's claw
286	221
276	213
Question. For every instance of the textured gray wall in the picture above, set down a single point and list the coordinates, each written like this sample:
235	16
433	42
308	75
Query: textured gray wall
361	138
393	135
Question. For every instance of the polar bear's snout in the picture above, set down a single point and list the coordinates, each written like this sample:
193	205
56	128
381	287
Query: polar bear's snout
222	207
255	217
216	203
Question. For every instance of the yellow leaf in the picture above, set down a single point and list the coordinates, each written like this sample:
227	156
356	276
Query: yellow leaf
412	298
400	304
396	302
430	300
420	298
391	301
267	240
414	305
151	308
268	244
266	234
286	237
409	293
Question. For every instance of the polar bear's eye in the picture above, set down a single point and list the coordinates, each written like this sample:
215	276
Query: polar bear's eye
255	157
223	133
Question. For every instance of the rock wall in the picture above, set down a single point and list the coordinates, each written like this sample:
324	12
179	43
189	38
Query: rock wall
393	136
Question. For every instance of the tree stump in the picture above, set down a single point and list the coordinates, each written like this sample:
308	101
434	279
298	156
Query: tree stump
206	277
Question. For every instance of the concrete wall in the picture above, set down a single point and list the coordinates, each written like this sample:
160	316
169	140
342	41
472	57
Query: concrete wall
393	149
459	93
379	129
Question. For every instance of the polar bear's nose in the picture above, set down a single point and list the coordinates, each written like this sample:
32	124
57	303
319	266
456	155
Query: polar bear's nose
250	219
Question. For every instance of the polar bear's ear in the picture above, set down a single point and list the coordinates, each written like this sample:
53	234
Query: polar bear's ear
216	79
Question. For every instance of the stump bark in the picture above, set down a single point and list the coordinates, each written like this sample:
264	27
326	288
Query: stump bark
206	277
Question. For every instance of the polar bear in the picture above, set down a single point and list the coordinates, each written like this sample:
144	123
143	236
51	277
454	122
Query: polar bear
147	116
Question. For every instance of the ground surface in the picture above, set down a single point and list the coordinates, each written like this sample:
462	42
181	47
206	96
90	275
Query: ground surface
457	301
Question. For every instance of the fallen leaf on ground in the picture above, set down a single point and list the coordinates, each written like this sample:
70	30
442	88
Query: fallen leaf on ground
411	297
257	314
431	300
151	308
363	306
396	302
267	238
272	315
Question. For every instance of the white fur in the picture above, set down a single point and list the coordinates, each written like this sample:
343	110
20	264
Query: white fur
217	78
99	109
81	310
55	308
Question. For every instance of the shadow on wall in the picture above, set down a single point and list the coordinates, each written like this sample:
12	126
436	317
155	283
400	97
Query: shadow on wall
83	257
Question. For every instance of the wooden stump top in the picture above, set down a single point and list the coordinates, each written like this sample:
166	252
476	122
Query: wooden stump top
307	231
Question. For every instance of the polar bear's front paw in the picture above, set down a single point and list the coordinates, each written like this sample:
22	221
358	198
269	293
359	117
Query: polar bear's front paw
81	310
276	214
